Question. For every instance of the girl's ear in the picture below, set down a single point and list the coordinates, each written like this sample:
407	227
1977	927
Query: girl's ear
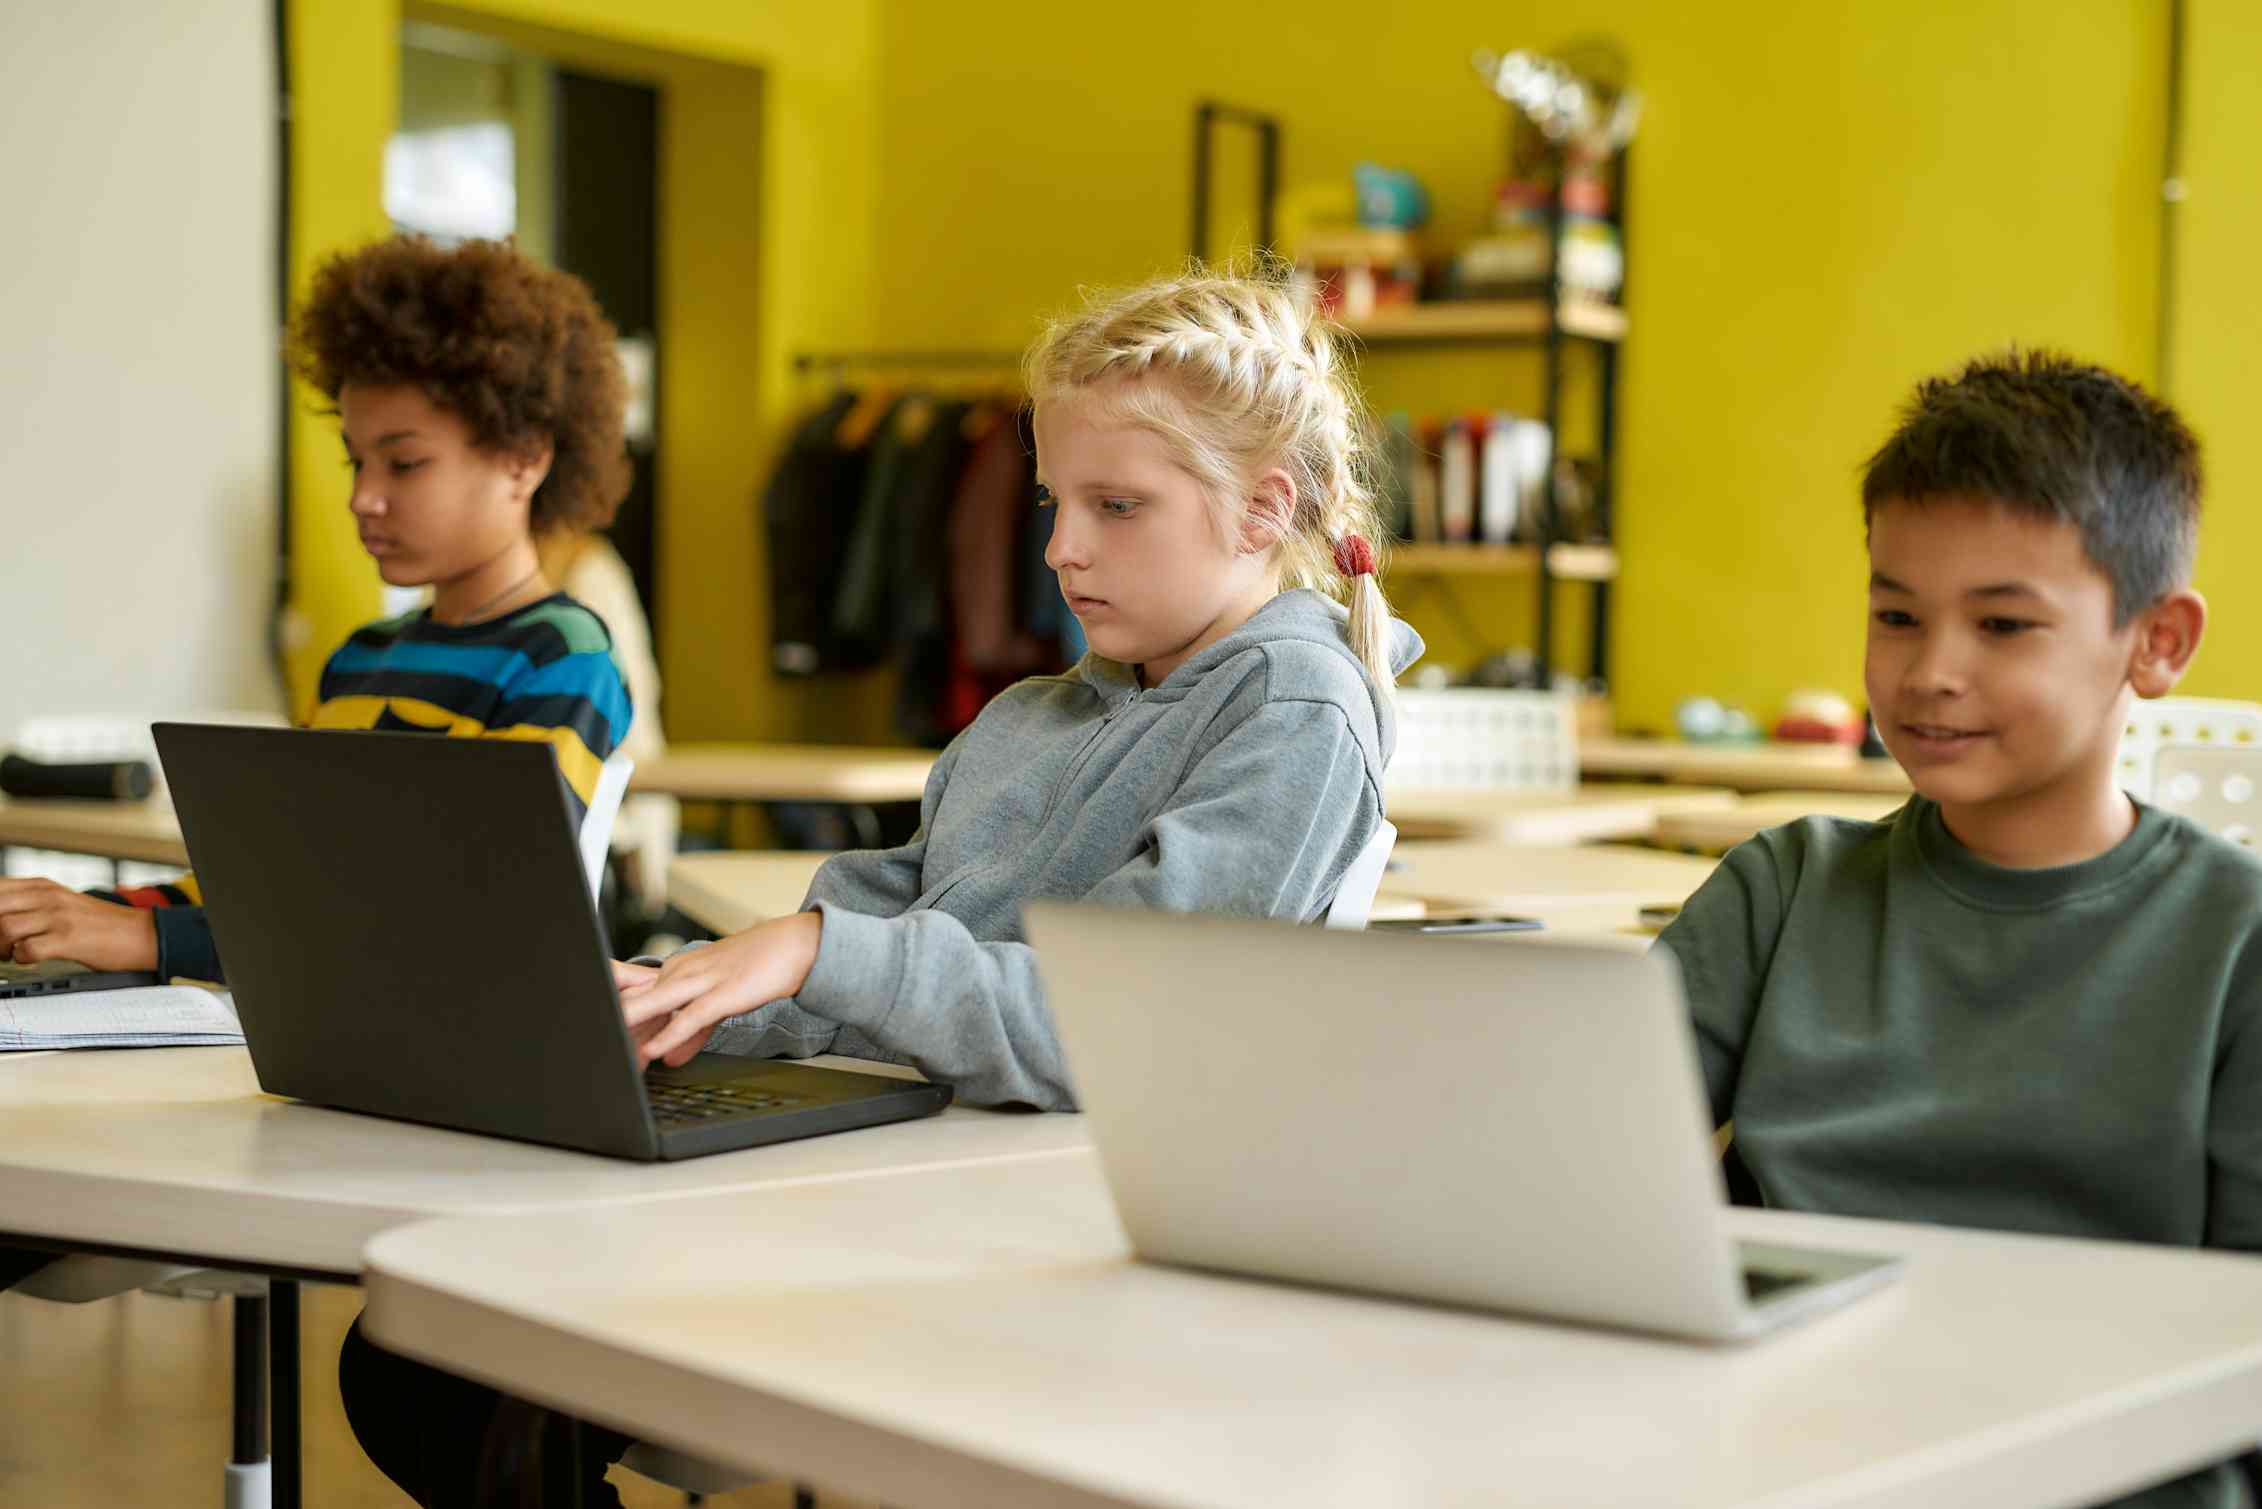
530	468
2167	636
1271	513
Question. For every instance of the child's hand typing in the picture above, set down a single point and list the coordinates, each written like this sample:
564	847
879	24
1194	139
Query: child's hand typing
40	920
672	1013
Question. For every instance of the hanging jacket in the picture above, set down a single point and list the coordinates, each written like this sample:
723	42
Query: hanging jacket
809	513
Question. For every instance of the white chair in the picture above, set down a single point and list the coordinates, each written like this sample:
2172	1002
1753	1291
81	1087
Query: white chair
2199	757
597	822
2219	787
2181	723
1486	739
1354	898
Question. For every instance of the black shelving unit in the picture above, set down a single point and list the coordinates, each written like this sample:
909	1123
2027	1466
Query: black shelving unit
1543	322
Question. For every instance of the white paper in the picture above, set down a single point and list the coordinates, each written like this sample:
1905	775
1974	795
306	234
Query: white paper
152	1016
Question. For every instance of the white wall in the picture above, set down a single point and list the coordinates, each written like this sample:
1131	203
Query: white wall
137	357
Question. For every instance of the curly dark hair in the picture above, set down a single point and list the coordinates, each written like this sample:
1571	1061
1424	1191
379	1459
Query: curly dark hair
518	351
2060	439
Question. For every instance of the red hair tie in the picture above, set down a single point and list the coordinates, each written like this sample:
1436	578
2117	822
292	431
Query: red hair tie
1354	556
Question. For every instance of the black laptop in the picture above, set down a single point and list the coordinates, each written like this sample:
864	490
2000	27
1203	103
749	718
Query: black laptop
60	976
408	932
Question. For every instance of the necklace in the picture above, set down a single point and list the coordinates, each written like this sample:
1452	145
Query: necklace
479	612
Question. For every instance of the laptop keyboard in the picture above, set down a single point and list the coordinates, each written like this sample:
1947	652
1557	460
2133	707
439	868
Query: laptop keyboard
681	1103
1759	1283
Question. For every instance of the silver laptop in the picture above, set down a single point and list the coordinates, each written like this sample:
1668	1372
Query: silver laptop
1513	1127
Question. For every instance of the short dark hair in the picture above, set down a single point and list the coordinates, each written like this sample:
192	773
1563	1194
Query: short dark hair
2048	435
516	350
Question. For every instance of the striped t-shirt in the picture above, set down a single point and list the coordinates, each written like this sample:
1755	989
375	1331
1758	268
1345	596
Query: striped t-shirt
544	673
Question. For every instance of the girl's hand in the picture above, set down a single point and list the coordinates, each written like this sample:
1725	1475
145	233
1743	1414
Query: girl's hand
673	1013
628	977
41	920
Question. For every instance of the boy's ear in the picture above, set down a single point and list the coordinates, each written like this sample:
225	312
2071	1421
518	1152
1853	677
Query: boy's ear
530	468
1271	513
2167	636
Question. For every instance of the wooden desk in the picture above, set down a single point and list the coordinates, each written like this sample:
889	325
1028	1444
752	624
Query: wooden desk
145	831
728	889
1716	832
1747	767
176	1152
1589	813
786	773
979	1336
1595	888
724	890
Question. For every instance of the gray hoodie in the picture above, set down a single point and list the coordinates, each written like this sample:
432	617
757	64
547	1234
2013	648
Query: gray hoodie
1246	783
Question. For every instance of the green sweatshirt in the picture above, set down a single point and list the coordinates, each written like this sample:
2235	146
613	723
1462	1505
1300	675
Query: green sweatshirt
1902	1030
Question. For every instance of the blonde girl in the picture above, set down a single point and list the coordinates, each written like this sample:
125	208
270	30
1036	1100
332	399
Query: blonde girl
1220	749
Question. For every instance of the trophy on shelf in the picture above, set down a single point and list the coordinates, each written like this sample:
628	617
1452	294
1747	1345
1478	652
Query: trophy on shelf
1581	103
1573	113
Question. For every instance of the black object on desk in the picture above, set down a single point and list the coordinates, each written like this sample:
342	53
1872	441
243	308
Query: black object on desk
100	780
1450	925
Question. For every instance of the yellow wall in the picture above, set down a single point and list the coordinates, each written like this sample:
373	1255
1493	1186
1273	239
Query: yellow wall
769	153
1828	202
345	85
2218	329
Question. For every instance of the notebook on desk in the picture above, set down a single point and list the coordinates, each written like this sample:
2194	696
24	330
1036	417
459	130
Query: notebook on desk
408	932
153	1016
1508	1127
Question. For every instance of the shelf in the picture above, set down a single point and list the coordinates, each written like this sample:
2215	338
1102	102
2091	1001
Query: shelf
1473	320
1575	563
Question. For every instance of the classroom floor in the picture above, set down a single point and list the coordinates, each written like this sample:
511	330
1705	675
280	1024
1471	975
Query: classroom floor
125	1402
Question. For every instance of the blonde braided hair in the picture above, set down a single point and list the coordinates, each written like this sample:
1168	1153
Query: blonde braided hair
1238	373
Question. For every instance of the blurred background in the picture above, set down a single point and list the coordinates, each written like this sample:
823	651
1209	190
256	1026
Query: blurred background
1819	205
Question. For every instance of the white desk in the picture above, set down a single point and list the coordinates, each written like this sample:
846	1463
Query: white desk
977	1335
175	1151
1588	813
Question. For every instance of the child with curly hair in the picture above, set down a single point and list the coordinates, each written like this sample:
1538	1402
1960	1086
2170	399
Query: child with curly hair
481	402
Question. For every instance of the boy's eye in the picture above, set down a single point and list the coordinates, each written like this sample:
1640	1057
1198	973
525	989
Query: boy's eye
1045	498
403	468
2005	627
1894	618
1121	508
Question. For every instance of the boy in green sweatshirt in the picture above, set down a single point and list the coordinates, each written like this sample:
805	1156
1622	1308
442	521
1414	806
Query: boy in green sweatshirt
2025	1000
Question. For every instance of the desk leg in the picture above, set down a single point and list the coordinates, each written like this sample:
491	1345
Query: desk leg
247	1461
282	1374
575	1445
